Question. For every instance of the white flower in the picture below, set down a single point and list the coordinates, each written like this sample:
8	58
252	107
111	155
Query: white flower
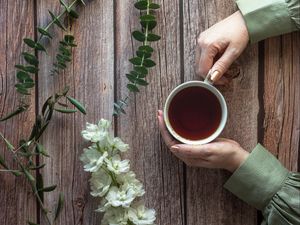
104	205
95	133
117	143
130	180
116	165
115	216
140	215
100	183
120	196
93	159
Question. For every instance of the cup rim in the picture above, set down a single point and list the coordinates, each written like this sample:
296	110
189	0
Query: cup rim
214	91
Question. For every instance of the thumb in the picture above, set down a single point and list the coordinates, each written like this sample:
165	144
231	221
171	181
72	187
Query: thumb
223	63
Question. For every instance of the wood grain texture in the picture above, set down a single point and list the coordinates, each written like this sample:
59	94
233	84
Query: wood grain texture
160	172
281	98
207	202
91	79
16	22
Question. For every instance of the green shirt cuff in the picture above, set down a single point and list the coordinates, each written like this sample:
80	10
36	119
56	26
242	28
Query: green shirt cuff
258	178
266	18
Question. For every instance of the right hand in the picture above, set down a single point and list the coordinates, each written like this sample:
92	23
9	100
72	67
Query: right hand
220	45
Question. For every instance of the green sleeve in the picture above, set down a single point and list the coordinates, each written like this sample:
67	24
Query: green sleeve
267	18
264	183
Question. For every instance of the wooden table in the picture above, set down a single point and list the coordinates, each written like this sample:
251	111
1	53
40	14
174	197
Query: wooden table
263	107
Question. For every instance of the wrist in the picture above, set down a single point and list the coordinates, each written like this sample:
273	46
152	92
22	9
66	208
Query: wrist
238	158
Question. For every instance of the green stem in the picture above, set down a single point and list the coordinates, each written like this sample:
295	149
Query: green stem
58	17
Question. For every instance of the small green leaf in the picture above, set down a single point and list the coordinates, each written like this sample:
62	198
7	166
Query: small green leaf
39	185
29	42
131	77
59	206
149	24
65	5
48	189
147	17
65	110
56	20
31	59
77	104
14	113
82	2
132	88
143	54
29	69
138	35
136	61
8	144
153	37
28	175
22	76
40	47
141	82
25	85
40	149
23	91
44	32
146	48
141	5
141	70
154	6
69	38
73	14
148	63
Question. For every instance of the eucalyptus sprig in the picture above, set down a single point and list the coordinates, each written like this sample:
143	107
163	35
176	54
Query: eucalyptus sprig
142	61
26	72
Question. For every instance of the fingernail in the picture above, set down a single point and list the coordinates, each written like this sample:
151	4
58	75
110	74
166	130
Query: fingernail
215	75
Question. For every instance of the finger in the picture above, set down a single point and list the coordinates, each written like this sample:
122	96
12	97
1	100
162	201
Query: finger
224	62
204	61
168	139
192	151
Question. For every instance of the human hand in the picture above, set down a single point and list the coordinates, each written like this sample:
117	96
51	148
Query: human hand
222	153
219	46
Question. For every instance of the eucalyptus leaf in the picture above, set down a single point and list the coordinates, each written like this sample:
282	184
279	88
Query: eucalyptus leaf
154	6
146	48
73	14
22	76
141	5
141	70
65	110
77	104
141	82
153	37
143	54
48	189
56	20
31	59
131	77
59	206
149	24
136	61
44	32
19	110
29	42
132	88
148	63
29	69
23	91
40	47
147	17
25	85
65	5
138	35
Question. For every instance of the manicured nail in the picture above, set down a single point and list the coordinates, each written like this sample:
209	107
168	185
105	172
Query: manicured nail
215	75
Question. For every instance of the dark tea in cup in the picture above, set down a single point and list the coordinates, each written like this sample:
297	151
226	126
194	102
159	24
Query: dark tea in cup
195	113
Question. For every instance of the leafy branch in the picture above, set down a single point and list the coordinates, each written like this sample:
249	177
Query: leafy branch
142	61
25	72
28	149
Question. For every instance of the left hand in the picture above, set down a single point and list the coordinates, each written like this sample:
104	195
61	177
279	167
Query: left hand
221	153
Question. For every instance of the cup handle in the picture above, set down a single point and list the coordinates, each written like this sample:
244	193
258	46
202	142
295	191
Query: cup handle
208	79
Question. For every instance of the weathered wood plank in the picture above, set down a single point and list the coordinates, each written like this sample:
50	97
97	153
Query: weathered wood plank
160	171
91	79
16	21
207	201
281	98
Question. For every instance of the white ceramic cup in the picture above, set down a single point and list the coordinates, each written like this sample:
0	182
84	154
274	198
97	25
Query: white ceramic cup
205	84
